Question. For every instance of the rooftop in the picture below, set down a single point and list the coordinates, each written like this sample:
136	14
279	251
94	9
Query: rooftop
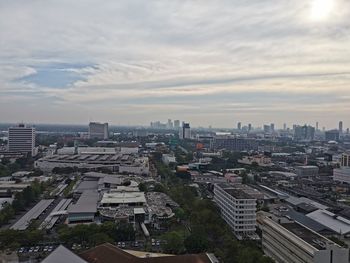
108	253
123	198
87	203
62	254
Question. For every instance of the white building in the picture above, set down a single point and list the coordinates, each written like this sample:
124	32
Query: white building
342	175
21	139
238	209
168	159
185	131
98	130
291	242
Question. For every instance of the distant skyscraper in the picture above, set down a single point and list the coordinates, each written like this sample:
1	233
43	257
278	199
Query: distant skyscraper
284	126
332	135
21	139
340	127
249	127
170	124
316	126
272	127
185	131
98	130
304	133
239	126
267	128
176	124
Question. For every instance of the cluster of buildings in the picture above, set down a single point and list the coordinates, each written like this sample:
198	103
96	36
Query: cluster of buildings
117	198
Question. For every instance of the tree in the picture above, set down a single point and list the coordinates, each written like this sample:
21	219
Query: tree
196	243
174	243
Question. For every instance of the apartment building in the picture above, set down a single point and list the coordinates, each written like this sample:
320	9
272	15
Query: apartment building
21	139
238	209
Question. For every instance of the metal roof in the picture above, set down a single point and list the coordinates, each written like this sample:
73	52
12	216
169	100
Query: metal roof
87	203
34	213
50	220
337	223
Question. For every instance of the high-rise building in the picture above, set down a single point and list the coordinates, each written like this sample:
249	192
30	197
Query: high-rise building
332	135
272	127
185	131
170	124
239	126
316	126
340	127
249	127
284	126
176	124
98	130
267	128
238	209
304	133
21	139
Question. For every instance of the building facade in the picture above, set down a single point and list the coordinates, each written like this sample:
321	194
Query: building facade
238	209
291	242
234	144
98	130
21	139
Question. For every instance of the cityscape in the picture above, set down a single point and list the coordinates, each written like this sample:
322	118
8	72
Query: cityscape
174	131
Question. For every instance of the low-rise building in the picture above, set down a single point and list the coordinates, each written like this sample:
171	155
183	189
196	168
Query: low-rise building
342	175
307	171
291	242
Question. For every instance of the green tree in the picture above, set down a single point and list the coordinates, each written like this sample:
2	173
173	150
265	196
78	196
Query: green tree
196	243
174	243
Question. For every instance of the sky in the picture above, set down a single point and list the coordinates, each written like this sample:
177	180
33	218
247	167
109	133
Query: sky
209	62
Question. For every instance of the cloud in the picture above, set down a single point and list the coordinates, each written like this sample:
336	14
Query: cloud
192	57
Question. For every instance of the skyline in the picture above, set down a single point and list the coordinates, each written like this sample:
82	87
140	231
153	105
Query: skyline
133	62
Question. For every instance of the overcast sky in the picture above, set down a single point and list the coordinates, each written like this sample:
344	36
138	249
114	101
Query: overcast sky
208	62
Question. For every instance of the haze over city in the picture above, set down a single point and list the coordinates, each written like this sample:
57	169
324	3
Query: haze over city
210	63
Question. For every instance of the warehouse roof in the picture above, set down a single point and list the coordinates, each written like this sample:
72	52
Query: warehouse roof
87	203
338	224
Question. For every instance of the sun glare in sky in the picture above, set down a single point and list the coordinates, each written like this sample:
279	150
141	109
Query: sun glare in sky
321	9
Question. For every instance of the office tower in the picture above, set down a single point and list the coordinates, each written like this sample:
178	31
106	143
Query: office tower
284	126
98	130
21	139
176	124
249	127
267	128
304	133
170	124
316	126
272	127
347	131
332	135
340	127
239	126
185	131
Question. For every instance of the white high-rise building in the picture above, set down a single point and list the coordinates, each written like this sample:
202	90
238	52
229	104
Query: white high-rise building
238	209
98	130
185	131
21	139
